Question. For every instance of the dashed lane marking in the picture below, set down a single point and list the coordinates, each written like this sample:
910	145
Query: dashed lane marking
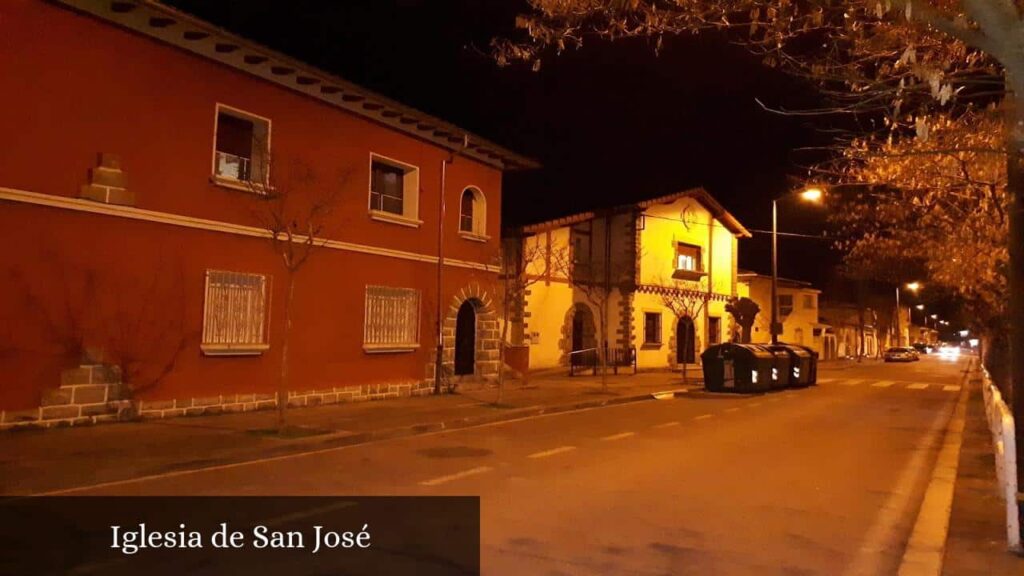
734	409
950	388
552	452
917	386
852	382
456	476
703	417
826	380
666	425
618	436
883	383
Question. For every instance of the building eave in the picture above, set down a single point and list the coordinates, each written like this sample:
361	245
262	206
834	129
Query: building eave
708	201
170	26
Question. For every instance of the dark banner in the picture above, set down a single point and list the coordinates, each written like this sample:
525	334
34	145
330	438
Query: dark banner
294	536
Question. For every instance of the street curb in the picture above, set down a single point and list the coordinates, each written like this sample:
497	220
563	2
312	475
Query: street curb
926	547
322	442
351	439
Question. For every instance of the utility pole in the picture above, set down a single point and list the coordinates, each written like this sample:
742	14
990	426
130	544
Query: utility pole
775	272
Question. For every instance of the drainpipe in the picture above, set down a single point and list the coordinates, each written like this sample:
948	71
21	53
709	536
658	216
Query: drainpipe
439	355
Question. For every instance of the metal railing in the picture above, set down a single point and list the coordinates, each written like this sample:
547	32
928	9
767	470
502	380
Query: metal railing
589	359
234	167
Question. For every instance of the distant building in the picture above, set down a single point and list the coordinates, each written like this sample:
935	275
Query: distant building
855	329
798	311
669	265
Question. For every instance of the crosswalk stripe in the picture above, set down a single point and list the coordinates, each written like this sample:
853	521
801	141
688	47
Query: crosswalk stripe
883	384
917	386
950	388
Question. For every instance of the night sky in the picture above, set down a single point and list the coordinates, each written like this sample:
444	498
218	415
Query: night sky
612	123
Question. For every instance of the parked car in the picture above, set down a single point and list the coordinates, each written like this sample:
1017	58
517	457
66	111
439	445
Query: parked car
923	348
901	354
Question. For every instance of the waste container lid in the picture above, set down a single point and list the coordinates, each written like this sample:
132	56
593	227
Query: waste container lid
735	349
793	349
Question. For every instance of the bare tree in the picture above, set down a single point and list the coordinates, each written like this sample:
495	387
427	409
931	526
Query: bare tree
518	260
685	303
295	210
596	290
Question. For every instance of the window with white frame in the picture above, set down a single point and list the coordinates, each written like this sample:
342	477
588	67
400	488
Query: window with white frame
392	318
235	313
472	213
688	257
241	147
394	189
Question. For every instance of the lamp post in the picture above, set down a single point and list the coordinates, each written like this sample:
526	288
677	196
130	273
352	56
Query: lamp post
807	195
913	287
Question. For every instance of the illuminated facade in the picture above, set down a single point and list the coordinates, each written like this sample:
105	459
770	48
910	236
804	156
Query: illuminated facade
798	313
136	193
657	274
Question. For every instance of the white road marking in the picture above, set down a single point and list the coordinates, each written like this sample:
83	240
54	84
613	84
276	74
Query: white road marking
753	404
666	425
950	388
552	452
703	417
917	386
456	476
870	552
826	380
618	436
852	382
772	400
883	384
736	409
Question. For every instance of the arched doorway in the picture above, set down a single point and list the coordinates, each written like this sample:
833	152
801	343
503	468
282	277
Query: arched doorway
583	330
465	340
685	336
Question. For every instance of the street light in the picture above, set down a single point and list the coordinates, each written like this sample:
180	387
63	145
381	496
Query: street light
810	194
913	287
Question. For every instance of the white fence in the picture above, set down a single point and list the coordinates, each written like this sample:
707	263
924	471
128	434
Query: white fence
1000	422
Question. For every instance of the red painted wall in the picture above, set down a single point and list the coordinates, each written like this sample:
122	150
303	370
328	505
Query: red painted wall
76	86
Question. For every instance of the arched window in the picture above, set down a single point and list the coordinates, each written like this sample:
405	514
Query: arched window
472	213
466	216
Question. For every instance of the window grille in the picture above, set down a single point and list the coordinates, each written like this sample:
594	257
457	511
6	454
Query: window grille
392	317
235	315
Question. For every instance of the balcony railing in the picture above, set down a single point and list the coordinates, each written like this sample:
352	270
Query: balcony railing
233	167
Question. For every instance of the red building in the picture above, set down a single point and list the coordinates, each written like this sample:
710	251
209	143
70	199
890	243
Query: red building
148	155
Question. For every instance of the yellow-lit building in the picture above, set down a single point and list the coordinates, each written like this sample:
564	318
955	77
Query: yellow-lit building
657	274
798	313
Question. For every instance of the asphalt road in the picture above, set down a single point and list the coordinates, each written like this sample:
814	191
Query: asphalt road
826	480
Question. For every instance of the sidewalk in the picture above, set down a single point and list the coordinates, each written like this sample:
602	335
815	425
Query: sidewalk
38	461
976	543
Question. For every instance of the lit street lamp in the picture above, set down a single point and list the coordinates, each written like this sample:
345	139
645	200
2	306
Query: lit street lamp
913	287
812	194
